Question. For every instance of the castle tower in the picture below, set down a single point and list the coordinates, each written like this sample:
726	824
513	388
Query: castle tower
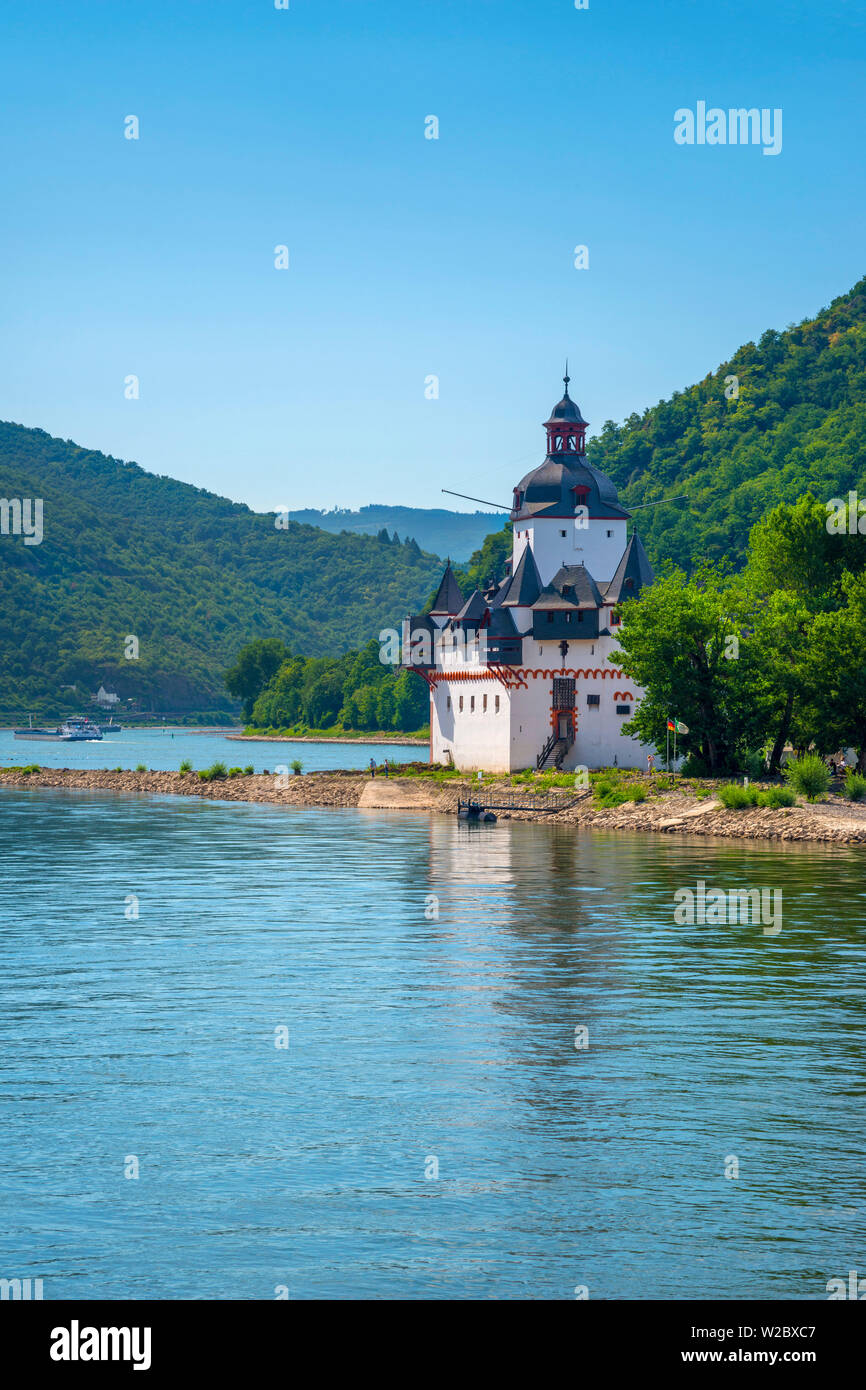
566	511
521	676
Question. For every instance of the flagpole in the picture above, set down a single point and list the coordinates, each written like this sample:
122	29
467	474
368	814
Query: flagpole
675	746
667	748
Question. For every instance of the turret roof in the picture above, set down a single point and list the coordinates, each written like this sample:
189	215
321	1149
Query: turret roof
449	599
633	572
525	584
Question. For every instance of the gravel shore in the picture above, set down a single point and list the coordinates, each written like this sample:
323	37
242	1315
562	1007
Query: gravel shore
831	822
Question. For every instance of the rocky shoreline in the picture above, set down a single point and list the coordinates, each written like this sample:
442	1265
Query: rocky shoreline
834	822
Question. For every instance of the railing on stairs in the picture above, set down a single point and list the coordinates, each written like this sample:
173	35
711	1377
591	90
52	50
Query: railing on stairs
546	750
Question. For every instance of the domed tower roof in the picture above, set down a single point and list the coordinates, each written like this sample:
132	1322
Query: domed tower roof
566	409
566	480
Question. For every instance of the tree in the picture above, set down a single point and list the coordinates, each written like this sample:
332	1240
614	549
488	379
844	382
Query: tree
257	664
683	640
837	664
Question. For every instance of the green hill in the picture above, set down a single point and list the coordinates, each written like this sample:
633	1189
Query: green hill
192	575
797	423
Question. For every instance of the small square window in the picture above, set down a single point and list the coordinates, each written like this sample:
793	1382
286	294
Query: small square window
593	700
562	533
484	705
496	706
623	709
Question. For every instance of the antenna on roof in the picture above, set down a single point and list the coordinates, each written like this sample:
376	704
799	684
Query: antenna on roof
566	378
500	506
661	501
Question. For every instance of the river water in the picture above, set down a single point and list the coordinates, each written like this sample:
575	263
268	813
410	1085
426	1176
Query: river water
431	1129
164	751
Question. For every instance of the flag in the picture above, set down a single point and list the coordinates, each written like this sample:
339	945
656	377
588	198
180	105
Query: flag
681	727
671	725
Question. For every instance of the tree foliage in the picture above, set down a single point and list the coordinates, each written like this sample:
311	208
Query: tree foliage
354	692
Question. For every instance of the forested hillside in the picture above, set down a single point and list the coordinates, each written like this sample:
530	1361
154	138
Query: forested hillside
794	420
192	575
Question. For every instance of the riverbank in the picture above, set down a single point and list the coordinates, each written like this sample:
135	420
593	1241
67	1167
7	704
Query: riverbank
669	812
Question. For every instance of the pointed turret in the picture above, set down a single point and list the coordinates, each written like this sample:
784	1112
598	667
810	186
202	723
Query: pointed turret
525	585
448	600
633	573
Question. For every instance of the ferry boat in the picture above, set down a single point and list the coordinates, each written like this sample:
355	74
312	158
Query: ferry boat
77	729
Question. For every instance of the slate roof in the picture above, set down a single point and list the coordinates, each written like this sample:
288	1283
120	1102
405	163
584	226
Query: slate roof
635	566
571	587
502	624
549	490
448	596
566	409
473	609
525	584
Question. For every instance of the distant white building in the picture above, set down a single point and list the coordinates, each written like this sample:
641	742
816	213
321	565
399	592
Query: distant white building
518	672
106	699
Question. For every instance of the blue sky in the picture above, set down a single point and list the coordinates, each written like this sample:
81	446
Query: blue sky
408	257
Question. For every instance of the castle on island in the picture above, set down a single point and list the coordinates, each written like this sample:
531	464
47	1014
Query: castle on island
518	672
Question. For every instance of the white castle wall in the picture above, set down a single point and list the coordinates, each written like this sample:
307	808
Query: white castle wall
512	738
591	546
475	737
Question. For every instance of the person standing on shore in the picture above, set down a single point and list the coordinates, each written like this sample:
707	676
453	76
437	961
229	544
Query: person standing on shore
372	767
386	767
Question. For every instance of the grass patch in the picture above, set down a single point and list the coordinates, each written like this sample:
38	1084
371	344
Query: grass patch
776	797
736	797
141	768
185	767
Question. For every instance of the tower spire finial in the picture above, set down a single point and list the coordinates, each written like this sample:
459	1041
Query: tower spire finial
566	378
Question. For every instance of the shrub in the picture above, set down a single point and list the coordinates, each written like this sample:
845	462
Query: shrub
248	770
186	766
737	798
776	797
809	775
636	793
141	768
297	766
854	787
236	772
215	772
